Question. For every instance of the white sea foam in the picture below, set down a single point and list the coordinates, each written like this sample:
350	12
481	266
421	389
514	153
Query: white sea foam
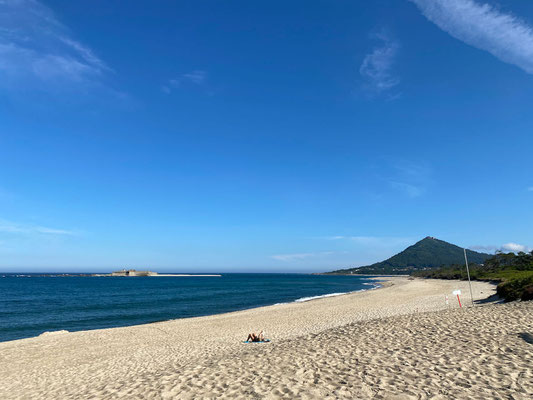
301	300
48	333
304	299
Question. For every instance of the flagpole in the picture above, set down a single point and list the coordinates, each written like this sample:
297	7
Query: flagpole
469	283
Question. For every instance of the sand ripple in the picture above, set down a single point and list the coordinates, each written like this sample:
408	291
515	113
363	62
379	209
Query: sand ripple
400	342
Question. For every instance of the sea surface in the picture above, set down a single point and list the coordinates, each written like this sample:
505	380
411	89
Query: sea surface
31	304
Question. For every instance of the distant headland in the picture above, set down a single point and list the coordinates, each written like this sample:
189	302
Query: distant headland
427	254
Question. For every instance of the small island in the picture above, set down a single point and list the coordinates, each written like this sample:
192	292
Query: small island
133	272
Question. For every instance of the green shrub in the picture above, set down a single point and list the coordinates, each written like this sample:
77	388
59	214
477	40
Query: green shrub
527	294
513	271
514	288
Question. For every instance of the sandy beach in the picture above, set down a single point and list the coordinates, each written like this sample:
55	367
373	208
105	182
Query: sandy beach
398	342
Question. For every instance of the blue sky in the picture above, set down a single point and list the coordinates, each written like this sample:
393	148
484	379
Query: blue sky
291	136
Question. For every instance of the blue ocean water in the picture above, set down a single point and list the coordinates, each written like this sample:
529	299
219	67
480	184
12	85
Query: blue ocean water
33	304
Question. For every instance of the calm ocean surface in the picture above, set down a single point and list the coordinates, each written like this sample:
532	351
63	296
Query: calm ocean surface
31	304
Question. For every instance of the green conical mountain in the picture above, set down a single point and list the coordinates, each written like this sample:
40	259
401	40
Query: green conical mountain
425	254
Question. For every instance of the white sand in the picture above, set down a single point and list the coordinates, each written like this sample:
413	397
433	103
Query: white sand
400	341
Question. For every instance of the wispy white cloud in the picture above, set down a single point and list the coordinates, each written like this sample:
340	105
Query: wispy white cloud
376	68
34	44
412	170
52	231
515	247
507	247
483	26
300	256
530	189
334	237
374	241
408	189
196	77
484	248
17	228
409	178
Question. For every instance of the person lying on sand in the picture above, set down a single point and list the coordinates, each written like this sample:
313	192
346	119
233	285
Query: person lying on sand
252	337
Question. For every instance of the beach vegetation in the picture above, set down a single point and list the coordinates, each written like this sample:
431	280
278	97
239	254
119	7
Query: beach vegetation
513	272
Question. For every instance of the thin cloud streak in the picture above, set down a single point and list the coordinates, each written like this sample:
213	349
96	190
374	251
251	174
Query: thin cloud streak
374	241
482	26
376	68
484	248
334	237
410	179
34	44
196	77
16	228
506	248
300	256
409	190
